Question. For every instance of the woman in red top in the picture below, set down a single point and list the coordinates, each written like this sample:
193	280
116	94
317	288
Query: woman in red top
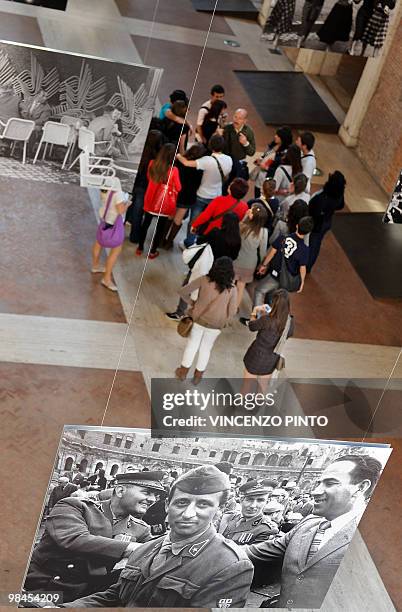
215	211
160	197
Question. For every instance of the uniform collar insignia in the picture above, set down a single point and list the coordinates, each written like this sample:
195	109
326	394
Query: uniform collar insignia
195	549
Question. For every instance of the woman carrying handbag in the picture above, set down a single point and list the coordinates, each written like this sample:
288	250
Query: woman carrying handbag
110	234
160	197
215	305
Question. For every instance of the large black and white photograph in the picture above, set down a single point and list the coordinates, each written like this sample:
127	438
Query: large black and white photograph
70	118
355	27
394	211
59	5
134	521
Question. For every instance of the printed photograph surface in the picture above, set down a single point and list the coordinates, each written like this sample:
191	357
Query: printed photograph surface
394	210
70	118
134	521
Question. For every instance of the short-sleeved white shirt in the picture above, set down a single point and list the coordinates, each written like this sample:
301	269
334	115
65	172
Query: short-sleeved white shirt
203	111
112	213
211	182
309	165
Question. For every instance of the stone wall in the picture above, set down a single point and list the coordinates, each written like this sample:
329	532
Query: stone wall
380	138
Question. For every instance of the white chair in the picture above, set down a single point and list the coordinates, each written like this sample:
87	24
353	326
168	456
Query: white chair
86	142
55	133
96	171
18	130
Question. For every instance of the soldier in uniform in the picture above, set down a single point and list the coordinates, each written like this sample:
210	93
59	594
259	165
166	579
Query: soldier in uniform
250	525
192	565
83	540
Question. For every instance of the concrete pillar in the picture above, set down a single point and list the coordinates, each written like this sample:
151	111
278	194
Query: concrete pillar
315	62
350	129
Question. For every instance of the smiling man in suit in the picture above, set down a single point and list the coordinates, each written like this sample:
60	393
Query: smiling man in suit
191	566
313	550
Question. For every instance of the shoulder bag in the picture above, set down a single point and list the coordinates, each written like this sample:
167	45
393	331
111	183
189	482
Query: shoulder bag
185	324
110	236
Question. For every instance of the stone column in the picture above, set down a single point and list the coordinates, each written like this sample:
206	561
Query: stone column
315	62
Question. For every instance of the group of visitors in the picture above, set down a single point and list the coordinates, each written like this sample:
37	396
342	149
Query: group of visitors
266	245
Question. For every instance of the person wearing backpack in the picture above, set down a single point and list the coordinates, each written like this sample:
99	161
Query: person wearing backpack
216	168
199	259
305	142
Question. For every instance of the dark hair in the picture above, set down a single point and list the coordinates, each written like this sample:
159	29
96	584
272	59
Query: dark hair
217	107
178	94
216	143
286	136
231	229
271	182
299	182
280	309
84	483
222	273
292	158
366	468
179	108
217	89
159	171
256	223
195	152
308	140
335	185
238	188
297	211
153	144
305	225
224	466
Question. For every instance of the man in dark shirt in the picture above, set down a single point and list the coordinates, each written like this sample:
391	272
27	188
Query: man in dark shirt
239	143
295	252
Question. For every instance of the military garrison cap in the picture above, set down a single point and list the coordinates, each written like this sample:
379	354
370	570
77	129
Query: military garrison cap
150	480
202	480
254	487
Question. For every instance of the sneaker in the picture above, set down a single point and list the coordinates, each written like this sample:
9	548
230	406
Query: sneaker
138	252
98	269
154	255
244	321
110	286
173	315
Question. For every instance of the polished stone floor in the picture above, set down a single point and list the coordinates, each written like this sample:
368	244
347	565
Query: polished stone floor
63	337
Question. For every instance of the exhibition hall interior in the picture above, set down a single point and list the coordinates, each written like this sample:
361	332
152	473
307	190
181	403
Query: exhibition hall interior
83	333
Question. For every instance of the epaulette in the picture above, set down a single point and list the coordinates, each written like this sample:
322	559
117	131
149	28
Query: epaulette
132	519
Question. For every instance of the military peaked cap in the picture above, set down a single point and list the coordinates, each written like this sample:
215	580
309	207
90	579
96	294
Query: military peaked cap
254	487
150	480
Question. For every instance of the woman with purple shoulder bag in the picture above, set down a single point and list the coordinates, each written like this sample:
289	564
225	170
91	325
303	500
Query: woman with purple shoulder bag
110	234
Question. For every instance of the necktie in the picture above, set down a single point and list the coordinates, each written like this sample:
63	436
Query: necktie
315	544
161	558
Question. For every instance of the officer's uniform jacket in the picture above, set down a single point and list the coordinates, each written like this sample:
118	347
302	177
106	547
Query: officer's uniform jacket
304	584
209	573
77	549
246	531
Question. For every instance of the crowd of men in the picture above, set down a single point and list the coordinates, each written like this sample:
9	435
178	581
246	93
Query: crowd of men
203	538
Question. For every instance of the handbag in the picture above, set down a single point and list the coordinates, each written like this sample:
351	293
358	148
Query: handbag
185	324
165	200
110	236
